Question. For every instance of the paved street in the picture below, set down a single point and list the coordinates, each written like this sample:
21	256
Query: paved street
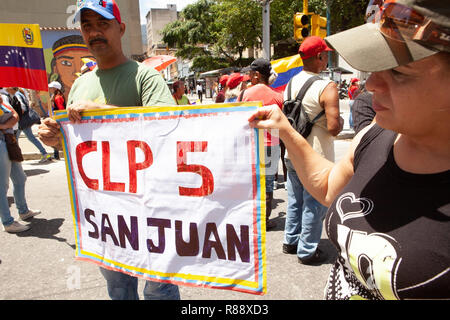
40	264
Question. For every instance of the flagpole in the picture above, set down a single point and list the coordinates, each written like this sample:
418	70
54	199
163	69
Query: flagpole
265	4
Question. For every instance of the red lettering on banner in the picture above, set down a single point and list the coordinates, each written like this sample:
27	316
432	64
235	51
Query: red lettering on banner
183	147
207	187
132	165
81	150
106	170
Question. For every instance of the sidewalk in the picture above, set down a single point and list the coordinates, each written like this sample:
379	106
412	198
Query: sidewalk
347	132
29	150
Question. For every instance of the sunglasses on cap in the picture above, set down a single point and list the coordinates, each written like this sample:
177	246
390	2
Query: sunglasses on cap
400	22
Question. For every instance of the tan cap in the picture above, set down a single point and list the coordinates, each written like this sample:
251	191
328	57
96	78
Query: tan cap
366	49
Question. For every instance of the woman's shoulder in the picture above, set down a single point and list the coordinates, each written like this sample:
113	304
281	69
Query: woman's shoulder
372	140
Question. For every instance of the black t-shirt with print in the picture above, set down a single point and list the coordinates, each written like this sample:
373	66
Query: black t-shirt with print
391	228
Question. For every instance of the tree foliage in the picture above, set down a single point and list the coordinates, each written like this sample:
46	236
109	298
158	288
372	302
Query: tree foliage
215	33
238	23
346	14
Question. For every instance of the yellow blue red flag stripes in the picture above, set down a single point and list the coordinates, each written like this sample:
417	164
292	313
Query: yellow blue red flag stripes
22	61
286	69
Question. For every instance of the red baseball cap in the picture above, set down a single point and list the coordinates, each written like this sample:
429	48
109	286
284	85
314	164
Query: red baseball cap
312	46
223	80
234	80
106	8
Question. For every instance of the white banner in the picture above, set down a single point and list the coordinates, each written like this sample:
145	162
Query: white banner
171	194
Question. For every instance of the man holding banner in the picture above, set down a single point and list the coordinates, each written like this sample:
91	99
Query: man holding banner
116	81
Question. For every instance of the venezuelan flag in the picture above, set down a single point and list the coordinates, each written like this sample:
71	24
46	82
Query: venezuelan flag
22	61
286	69
89	63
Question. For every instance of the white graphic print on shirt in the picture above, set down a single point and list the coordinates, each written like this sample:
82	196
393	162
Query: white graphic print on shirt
372	257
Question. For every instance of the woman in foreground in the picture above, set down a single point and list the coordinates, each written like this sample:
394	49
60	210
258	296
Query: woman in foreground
389	197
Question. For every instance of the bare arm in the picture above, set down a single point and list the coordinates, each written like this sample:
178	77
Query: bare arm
11	121
323	179
329	100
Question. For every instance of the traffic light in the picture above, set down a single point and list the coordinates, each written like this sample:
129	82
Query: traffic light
301	26
318	26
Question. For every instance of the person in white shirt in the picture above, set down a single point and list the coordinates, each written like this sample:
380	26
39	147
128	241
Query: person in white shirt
200	92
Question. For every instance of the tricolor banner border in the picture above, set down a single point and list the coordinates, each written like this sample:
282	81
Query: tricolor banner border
259	285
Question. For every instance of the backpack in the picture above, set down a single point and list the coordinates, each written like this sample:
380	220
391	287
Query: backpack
29	116
241	96
294	111
15	103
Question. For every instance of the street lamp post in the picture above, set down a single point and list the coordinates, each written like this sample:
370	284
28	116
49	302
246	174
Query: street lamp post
266	30
330	59
266	27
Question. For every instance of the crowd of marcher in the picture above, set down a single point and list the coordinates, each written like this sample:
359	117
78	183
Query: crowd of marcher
386	204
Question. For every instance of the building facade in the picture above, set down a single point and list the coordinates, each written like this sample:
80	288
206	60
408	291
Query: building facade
59	14
157	19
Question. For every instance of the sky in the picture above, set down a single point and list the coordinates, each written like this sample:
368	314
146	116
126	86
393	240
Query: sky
146	5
